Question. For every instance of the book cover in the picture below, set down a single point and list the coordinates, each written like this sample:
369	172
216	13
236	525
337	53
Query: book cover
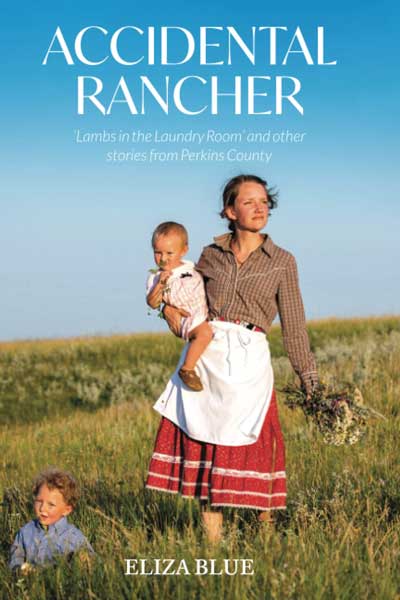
117	117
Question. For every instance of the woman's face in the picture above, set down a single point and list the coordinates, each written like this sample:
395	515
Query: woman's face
250	210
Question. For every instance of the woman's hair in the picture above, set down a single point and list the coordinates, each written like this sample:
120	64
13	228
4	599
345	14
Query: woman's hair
167	228
231	191
55	479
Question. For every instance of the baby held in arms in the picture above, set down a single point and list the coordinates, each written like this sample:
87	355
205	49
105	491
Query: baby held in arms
177	283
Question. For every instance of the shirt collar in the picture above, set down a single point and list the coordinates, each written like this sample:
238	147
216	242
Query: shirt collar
59	526
187	264
224	241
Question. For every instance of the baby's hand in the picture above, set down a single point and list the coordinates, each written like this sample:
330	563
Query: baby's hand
26	568
164	276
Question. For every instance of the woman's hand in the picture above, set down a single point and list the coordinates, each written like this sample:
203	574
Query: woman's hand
173	316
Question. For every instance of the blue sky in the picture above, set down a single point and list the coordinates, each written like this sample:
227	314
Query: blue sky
75	230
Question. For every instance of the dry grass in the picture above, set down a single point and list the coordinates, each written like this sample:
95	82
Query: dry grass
339	538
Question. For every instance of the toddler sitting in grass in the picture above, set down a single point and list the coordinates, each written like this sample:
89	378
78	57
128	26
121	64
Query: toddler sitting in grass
40	541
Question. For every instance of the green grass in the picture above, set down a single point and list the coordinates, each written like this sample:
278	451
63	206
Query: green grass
85	405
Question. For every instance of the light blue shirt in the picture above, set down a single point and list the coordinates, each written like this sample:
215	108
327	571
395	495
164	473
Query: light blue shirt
36	545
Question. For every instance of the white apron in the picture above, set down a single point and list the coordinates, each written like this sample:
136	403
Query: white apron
236	373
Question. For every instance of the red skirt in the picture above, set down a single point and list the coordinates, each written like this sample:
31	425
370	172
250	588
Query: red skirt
251	476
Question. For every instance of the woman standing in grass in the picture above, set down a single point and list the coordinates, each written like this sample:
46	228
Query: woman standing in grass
224	445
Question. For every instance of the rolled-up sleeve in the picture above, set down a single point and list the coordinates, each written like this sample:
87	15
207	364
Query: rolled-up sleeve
293	322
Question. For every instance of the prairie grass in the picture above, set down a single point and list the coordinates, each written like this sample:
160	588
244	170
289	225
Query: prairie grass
86	405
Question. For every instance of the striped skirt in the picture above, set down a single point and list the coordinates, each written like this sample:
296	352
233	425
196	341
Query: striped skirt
251	476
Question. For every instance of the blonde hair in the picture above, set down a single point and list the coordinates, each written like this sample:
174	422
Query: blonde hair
170	227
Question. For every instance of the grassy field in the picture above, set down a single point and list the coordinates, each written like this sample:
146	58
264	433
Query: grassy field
86	405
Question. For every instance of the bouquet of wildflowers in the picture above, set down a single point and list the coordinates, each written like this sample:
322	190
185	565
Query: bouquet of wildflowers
340	414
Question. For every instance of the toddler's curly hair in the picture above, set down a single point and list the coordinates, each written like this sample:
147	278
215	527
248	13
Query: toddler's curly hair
55	479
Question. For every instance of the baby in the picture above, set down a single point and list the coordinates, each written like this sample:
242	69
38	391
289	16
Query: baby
50	535
177	283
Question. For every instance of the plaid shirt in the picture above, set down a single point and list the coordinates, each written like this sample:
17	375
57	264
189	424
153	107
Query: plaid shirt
184	289
265	285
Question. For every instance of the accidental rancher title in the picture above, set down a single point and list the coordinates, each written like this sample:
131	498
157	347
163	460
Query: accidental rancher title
207	59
